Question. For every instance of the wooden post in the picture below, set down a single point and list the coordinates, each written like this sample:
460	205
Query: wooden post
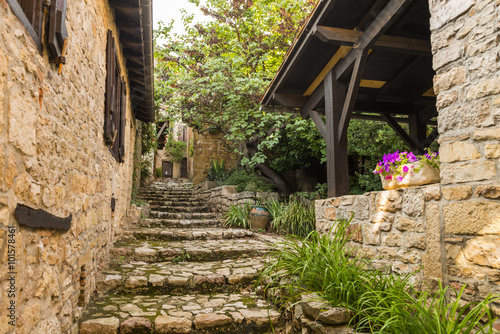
337	169
418	132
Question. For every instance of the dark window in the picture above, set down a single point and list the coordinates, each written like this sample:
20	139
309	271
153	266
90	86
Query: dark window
115	105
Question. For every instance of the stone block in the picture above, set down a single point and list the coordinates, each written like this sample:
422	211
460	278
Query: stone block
355	231
371	234
447	55
488	133
382	217
330	213
228	190
246	194
457	193
483	251
335	316
390	201
474	218
413	202
446	99
347	200
483	88
135	325
492	151
211	320
100	326
392	239
443	13
167	325
446	80
361	208
458	151
432	192
334	201
411	256
468	172
490	191
405	224
415	240
260	317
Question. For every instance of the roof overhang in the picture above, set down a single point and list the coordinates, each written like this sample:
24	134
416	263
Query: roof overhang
134	21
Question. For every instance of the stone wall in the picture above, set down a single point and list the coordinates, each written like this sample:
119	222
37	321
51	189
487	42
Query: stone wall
208	147
53	157
465	36
221	198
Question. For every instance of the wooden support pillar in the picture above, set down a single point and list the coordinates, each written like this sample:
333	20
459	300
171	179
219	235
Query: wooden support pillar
337	168
418	132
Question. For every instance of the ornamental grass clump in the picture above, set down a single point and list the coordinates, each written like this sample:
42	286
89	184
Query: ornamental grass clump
398	164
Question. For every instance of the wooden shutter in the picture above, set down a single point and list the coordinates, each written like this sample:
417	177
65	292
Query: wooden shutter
30	13
123	115
57	27
110	89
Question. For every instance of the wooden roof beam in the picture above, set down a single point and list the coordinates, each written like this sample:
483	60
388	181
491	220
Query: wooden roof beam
393	43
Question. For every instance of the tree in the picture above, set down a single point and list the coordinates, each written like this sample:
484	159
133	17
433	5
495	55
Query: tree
215	74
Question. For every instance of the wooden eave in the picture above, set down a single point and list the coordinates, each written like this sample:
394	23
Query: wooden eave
134	21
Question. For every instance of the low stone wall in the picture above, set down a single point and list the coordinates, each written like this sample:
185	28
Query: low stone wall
415	227
221	198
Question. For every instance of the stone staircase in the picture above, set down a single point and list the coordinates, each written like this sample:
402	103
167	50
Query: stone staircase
179	271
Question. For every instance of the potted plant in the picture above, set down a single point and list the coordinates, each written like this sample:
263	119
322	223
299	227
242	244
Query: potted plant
398	170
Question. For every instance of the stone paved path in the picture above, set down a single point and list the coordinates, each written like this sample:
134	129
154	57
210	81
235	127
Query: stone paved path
180	272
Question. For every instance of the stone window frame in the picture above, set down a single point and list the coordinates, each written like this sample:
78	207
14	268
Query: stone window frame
115	102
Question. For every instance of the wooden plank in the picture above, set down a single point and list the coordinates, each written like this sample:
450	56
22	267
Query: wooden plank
400	131
337	169
430	93
318	121
393	43
34	218
381	23
371	83
289	100
352	93
313	101
341	53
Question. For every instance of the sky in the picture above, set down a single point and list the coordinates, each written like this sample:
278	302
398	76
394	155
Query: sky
166	10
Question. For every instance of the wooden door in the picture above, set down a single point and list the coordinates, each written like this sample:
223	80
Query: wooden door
184	168
168	169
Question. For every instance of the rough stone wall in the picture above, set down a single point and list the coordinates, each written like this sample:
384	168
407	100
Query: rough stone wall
465	38
53	157
398	228
208	147
221	198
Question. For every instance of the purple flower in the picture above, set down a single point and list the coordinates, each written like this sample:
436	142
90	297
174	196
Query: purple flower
399	178
405	169
412	157
427	156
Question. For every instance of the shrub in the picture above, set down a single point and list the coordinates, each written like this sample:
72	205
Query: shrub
295	217
245	181
159	172
238	216
217	171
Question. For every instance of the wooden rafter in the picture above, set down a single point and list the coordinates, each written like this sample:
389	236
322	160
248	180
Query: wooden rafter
393	43
400	131
313	101
318	121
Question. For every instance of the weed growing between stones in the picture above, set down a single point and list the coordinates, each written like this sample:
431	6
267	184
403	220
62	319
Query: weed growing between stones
184	257
381	302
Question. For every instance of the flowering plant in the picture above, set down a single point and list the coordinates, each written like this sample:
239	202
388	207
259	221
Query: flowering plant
397	164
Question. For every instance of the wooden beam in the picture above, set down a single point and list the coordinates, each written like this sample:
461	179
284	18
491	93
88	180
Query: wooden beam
279	109
318	121
313	101
341	53
400	131
381	23
393	43
352	93
337	169
430	93
290	100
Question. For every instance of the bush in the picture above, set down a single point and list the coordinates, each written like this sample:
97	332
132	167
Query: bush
381	302
159	172
217	171
245	181
238	216
295	217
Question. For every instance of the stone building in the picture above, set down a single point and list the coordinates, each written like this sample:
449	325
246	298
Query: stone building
335	67
75	84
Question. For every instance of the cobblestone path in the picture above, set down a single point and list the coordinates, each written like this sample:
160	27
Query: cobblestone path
180	272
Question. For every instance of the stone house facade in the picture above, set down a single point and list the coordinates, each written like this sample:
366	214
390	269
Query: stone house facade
452	229
66	149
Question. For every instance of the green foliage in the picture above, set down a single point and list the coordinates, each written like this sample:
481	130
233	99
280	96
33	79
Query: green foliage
158	172
145	168
217	171
148	138
381	302
247	181
175	149
295	217
214	75
183	257
238	216
322	190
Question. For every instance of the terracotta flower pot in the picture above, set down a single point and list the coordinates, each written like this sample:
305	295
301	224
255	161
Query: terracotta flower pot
259	217
426	175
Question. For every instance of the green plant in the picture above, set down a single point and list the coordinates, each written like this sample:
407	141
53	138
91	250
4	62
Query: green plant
183	257
296	217
322	190
191	148
175	149
238	216
159	172
217	171
409	311
246	181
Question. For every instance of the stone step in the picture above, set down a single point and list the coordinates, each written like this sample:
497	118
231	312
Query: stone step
137	277
194	313
165	193
178	202
165	197
202	250
180	209
184	215
179	223
174	234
